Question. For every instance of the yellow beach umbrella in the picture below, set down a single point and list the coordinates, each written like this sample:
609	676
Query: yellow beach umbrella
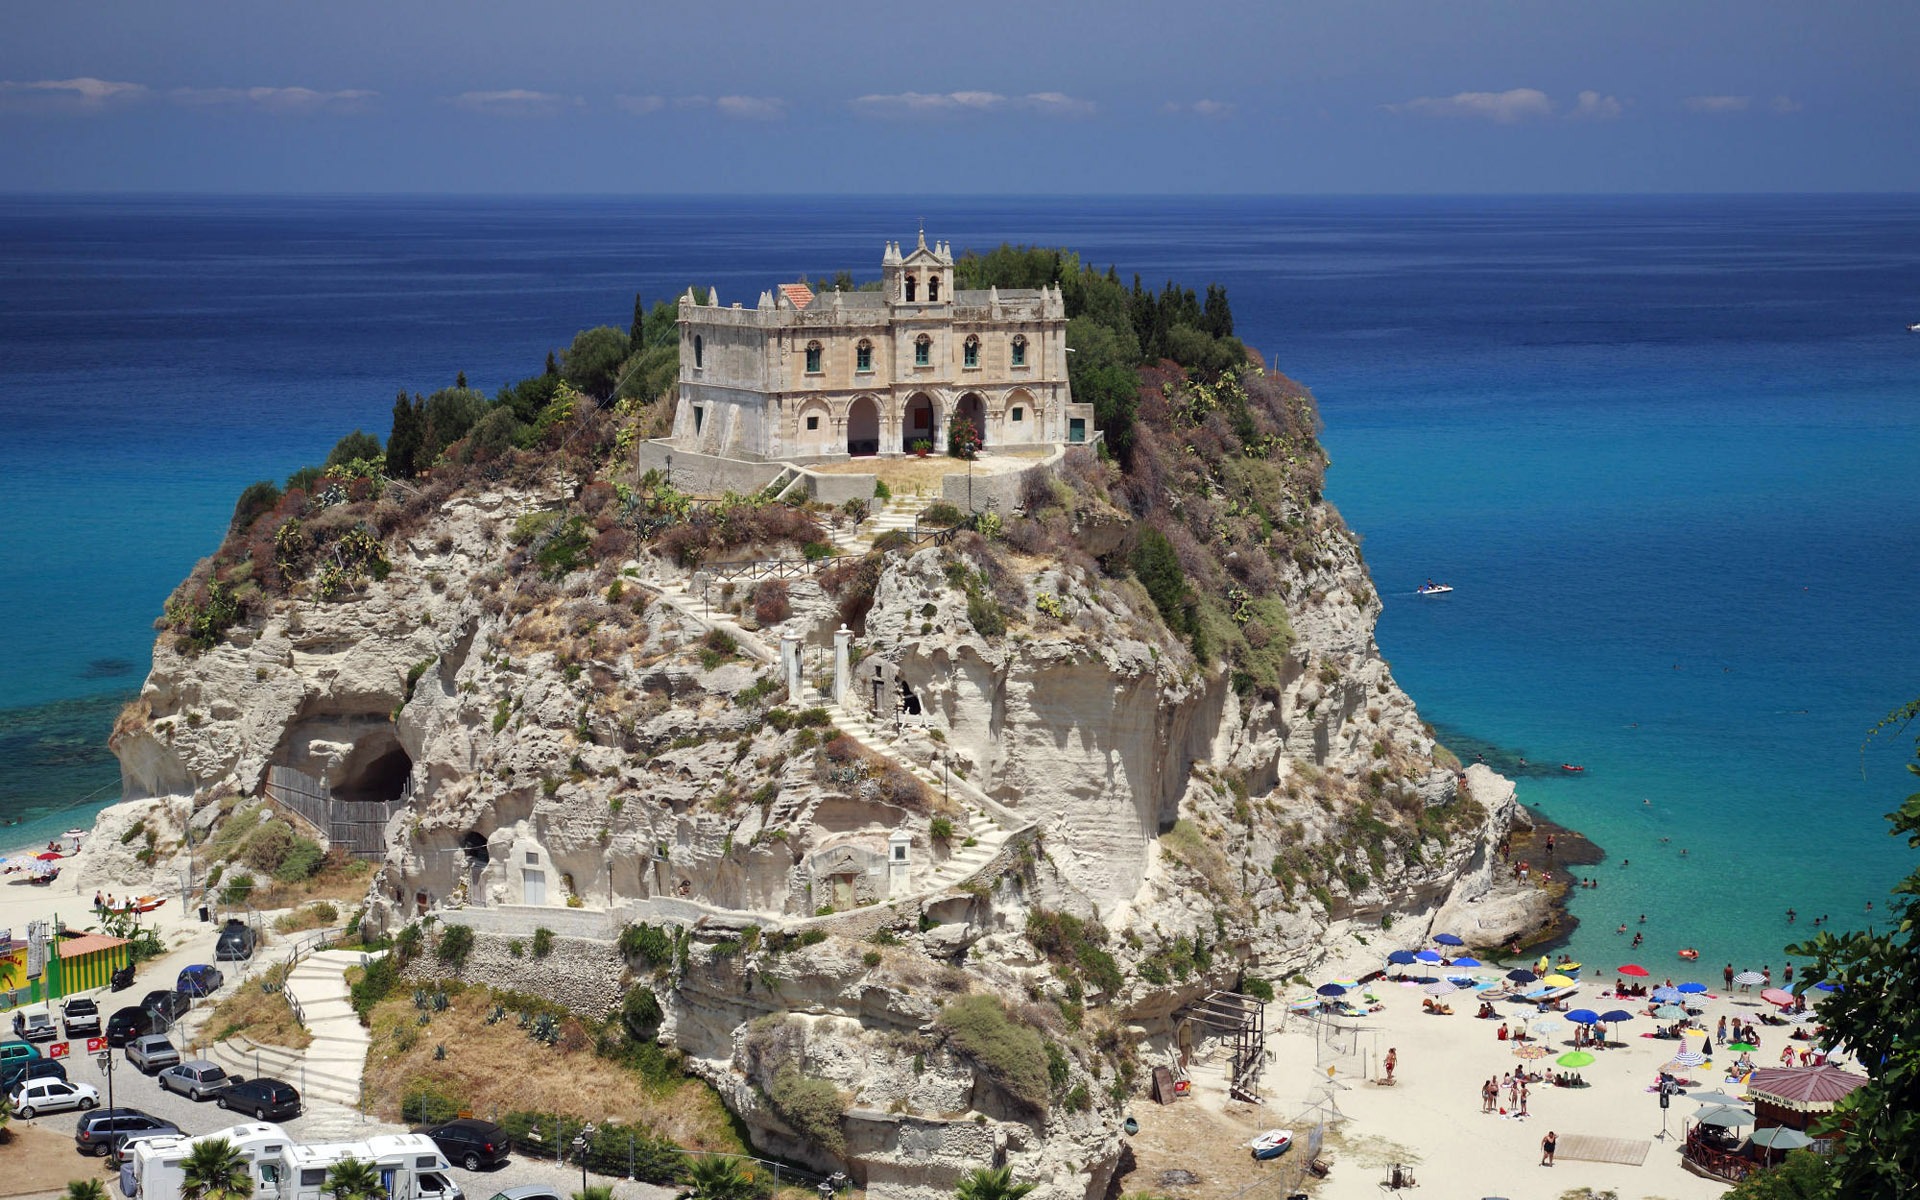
1556	981
1696	1033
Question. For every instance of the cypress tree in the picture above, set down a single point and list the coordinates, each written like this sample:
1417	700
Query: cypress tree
460	379
403	444
553	364
637	332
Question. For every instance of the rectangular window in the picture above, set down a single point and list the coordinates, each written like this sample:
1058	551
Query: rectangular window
699	416
813	423
1019	414
1077	429
922	354
813	360
863	358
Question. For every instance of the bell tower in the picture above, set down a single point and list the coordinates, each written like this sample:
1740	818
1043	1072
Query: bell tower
923	276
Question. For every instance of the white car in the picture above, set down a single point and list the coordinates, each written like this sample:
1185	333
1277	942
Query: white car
52	1095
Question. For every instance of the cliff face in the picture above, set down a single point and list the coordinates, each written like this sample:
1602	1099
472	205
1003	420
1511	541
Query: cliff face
605	745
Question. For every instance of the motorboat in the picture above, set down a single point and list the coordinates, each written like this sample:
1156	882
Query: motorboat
1272	1144
1433	589
1572	768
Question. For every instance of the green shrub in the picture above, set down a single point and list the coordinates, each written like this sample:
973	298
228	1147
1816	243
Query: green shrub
941	513
531	526
1258	988
542	942
644	942
425	1104
456	943
812	1106
1075	947
567	550
880	490
1011	1054
237	890
382	976
301	861
940	829
640	1012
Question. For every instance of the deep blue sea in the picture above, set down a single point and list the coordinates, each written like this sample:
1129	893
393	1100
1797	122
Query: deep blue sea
1665	449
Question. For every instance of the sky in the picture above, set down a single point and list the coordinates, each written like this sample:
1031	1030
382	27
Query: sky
981	97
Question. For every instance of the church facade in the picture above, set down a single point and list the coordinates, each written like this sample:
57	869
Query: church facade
806	378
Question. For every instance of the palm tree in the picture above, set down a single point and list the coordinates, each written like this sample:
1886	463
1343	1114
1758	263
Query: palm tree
991	1183
215	1170
85	1189
713	1178
351	1179
594	1191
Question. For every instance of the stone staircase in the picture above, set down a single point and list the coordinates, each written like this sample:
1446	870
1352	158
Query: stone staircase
329	1069
901	513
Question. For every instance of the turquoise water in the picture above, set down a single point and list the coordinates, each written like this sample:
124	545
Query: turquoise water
1662	447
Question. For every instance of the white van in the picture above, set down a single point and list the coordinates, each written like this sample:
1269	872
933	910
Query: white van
410	1166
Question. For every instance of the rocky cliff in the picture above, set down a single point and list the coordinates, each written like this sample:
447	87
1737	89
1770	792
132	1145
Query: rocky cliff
947	921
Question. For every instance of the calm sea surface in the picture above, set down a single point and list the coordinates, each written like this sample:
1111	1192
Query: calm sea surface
1664	448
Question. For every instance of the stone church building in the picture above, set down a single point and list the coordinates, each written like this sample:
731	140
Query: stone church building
807	378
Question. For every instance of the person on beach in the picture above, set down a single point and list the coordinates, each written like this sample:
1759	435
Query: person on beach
98	903
1523	1097
1547	1145
1393	1060
1789	974
1489	1095
1728	974
1723	1028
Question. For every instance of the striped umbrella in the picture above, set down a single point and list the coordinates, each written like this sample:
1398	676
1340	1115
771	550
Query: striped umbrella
1687	1058
1439	987
1667	995
1669	1012
1749	978
1533	1052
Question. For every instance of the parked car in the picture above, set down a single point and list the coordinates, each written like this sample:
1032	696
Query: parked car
82	1016
196	1080
20	1070
152	1053
128	1023
266	1099
35	1025
52	1095
530	1191
199	980
471	1143
97	1130
236	942
13	1052
167	1004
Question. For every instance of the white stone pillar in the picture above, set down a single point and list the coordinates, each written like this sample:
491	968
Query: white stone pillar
842	665
790	664
899	862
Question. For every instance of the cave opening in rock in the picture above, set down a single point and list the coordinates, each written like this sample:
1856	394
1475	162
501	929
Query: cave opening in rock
376	771
475	844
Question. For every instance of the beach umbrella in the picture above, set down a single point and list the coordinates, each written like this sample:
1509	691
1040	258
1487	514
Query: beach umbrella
1521	975
1577	1058
49	856
1448	939
1666	995
1429	956
1726	1118
1533	1052
1687	1058
1711	1099
1742	1047
1824	986
1777	996
1749	978
1439	988
1557	981
1669	1012
1544	1024
1614	1016
1330	990
1584	1016
1780	1137
1692	989
1401	958
1464	961
1635	970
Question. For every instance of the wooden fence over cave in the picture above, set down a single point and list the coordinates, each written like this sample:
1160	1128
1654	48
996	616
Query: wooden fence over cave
358	827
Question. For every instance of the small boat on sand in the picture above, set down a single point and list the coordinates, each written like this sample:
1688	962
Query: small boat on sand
76	834
1272	1144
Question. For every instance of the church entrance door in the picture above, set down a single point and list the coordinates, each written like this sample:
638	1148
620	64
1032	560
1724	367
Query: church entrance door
863	427
917	423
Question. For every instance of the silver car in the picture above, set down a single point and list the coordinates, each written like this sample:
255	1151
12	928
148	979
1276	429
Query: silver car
152	1053
196	1080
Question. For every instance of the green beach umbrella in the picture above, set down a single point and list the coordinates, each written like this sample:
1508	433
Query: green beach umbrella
1742	1047
1578	1058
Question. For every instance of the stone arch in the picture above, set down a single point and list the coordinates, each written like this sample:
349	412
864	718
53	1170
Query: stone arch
919	420
813	428
973	407
863	426
1020	417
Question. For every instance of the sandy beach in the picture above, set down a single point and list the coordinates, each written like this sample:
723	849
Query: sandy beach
1430	1120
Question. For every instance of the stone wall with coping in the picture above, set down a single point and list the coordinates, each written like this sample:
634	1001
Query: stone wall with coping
704	474
582	975
838	489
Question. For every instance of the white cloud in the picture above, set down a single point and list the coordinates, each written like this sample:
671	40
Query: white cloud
276	99
1506	108
921	104
1786	104
1718	105
751	108
639	106
515	102
1200	108
83	92
1592	106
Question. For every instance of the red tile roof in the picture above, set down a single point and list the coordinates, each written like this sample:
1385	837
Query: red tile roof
798	293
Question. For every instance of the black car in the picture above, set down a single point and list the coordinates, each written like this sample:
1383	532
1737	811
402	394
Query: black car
266	1099
236	942
130	1022
471	1143
97	1130
168	1004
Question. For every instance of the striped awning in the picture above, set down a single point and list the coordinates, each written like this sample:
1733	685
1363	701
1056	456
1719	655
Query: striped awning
1803	1089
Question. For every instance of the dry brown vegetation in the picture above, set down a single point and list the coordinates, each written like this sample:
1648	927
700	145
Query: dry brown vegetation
262	1015
489	1070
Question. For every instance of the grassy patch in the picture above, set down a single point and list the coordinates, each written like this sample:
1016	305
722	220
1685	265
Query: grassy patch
1010	1054
262	1015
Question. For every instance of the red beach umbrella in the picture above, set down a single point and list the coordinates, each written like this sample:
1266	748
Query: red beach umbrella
48	856
1777	996
1634	969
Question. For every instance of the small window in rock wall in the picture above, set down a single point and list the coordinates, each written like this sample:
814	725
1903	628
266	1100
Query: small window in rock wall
863	356
813	423
533	858
1019	414
923	351
972	352
1019	351
813	358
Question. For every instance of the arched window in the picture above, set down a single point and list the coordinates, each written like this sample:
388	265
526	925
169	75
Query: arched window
933	287
699	352
923	351
863	356
971	356
813	358
911	283
1019	351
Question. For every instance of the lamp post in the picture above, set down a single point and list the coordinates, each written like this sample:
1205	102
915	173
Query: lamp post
581	1143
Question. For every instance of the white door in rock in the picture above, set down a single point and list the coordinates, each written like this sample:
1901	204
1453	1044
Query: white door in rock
534	884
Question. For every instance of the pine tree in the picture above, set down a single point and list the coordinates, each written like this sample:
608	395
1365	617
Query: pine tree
553	364
1218	317
460	379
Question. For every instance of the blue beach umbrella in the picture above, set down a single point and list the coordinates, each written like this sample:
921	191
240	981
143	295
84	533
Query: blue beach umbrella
1614	1016
1666	995
1429	956
1584	1016
1467	962
1692	989
1401	958
1330	989
1521	975
1827	987
1448	939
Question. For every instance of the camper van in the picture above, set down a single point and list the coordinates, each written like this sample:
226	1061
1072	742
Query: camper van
411	1167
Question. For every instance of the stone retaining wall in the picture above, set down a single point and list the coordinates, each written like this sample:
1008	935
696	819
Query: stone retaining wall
580	974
